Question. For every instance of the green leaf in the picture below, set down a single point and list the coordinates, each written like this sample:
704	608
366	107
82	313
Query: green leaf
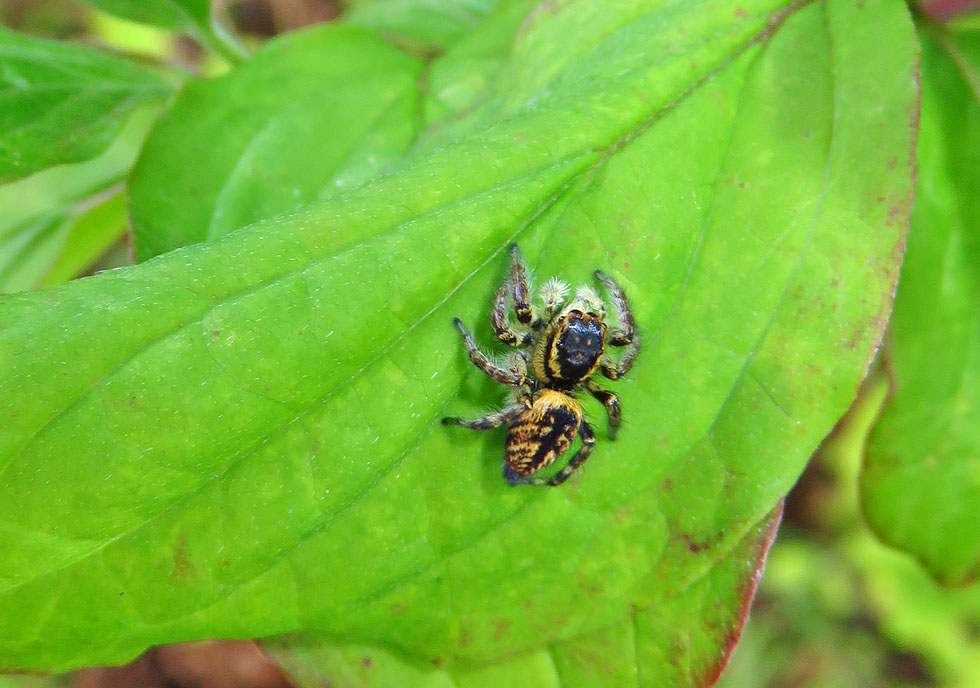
55	250
430	24
25	681
193	16
312	112
57	222
97	227
63	103
241	438
699	626
465	75
920	484
170	14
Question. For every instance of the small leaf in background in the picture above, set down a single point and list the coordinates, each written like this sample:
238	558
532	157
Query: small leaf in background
170	14
57	222
458	80
63	103
313	112
426	24
699	627
27	681
252	422
193	16
921	483
98	225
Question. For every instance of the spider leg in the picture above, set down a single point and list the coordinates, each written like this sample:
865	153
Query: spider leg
626	332
517	361
624	335
518	282
491	420
614	370
501	323
588	443
610	401
504	376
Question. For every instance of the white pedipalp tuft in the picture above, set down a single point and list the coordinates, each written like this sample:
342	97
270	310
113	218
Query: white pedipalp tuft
553	293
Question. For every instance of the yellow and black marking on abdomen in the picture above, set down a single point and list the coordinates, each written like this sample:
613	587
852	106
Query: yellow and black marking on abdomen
541	434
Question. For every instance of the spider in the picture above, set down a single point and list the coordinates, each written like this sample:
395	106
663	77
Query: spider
566	347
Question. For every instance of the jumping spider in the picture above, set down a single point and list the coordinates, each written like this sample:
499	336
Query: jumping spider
566	347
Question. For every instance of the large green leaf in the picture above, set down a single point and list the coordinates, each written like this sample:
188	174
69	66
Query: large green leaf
312	112
921	483
681	640
241	438
63	103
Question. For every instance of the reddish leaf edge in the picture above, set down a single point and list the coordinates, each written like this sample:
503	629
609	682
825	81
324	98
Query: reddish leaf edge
946	10
747	592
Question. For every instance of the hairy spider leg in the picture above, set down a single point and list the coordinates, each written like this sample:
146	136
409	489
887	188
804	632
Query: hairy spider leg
613	370
518	282
504	376
624	335
517	361
501	323
626	332
610	401
491	420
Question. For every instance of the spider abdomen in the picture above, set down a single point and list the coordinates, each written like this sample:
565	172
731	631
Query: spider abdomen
541	434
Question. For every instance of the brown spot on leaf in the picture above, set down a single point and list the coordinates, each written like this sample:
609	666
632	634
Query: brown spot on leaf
896	214
183	568
500	628
694	546
366	661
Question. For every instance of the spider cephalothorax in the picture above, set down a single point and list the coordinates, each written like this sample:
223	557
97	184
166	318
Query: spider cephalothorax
566	346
